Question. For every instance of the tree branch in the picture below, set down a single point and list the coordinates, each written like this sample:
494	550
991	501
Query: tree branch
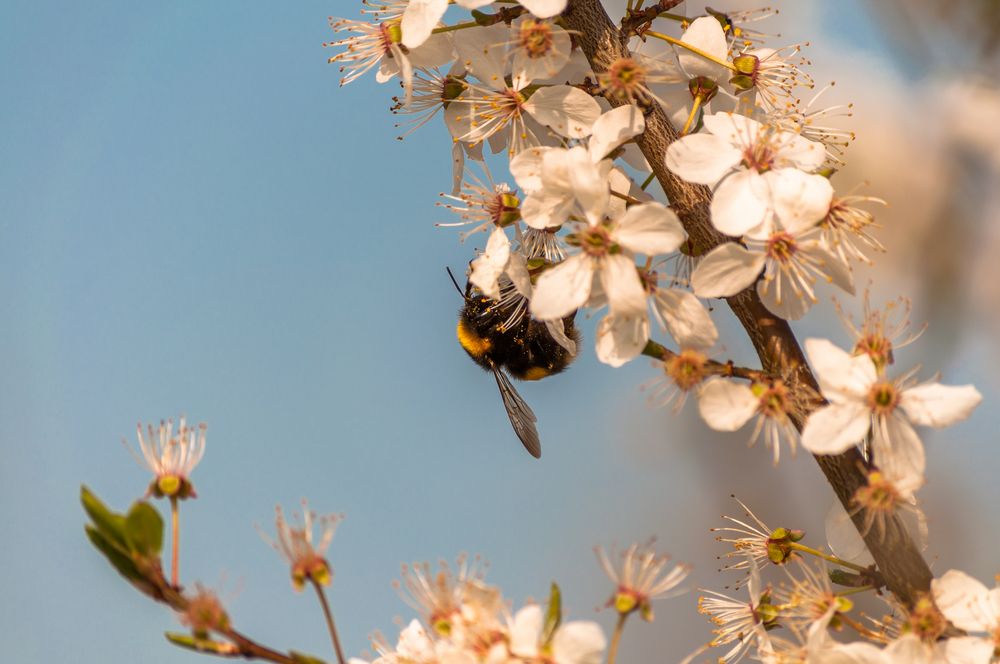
897	556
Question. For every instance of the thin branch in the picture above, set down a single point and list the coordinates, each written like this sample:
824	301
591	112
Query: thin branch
897	556
637	22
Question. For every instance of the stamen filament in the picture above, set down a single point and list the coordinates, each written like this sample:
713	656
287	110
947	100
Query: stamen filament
694	49
694	112
833	559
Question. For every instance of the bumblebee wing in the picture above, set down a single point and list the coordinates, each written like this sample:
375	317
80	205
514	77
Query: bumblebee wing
522	418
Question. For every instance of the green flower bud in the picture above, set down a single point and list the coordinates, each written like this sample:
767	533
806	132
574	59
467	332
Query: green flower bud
703	87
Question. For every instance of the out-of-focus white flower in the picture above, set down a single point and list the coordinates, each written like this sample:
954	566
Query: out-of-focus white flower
862	399
560	181
537	50
727	405
907	649
295	544
881	332
747	160
786	245
970	606
640	579
544	8
577	642
171	458
606	258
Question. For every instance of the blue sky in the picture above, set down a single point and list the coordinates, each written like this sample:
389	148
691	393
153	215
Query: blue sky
195	219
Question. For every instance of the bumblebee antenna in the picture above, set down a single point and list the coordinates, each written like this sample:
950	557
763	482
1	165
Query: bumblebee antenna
457	287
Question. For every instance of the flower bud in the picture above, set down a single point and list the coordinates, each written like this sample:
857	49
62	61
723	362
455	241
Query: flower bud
510	210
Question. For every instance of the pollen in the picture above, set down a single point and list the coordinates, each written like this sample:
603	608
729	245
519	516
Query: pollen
474	345
535	373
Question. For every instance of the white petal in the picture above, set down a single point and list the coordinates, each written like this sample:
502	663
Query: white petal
706	34
897	449
621	338
544	8
517	270
841	376
419	18
525	69
567	110
650	229
726	270
725	405
488	266
526	631
526	167
964	601
614	128
621	284
557	331
579	642
843	537
801	152
791	306
472	4
437	51
540	211
563	289
740	203
837	271
622	184
937	405
702	158
686	317
482	51
910	649
800	200
589	182
835	428
967	650
733	128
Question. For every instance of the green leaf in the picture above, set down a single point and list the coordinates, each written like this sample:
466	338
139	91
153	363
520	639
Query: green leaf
144	529
189	642
115	553
302	658
110	524
553	616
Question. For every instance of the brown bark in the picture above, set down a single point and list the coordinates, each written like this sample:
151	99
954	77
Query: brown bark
898	559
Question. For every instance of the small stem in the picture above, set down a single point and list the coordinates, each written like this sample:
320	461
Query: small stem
647	181
626	198
457	26
617	637
694	112
175	534
854	591
697	51
833	559
329	622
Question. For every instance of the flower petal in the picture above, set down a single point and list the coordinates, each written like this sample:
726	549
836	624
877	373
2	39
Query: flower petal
686	318
488	266
579	642
614	128
736	129
544	8
897	449
650	229
702	158
705	34
526	631
800	200
726	270
741	202
843	537
621	284
964	601
937	405
621	338
841	376
563	289
726	405
419	18
526	167
836	427
966	650
567	110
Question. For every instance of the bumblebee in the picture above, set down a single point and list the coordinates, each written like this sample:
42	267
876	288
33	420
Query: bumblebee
503	338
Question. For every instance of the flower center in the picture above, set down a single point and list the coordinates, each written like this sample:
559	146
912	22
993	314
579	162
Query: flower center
926	621
781	247
877	347
774	402
596	241
625	79
883	398
536	38
687	369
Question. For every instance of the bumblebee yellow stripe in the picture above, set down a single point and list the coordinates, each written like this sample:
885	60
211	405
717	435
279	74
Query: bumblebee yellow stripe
473	344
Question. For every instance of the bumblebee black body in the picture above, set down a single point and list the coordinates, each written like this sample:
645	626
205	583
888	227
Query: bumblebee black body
499	339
